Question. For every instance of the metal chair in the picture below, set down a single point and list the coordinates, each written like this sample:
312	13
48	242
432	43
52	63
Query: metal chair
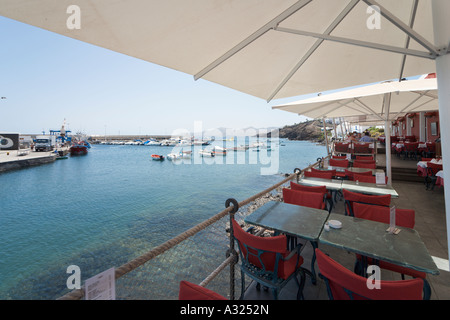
367	178
365	164
307	199
343	284
191	291
319	189
267	261
350	174
411	149
323	174
338	163
352	197
430	179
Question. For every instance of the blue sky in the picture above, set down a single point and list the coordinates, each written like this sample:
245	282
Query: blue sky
47	78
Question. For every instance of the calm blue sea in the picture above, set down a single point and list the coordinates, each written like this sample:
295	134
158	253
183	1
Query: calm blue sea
71	211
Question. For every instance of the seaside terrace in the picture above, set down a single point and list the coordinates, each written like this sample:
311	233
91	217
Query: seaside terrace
278	50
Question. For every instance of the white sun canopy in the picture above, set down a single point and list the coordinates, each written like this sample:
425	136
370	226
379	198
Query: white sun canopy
267	48
367	101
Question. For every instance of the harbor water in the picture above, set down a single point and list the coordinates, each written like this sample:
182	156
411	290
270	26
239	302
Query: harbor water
115	203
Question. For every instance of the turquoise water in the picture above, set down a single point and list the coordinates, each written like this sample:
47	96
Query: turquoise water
72	211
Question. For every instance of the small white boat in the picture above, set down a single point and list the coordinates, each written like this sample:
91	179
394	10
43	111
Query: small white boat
205	153
180	155
218	151
173	156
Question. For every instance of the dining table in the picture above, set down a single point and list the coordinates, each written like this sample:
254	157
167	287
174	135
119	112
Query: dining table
293	220
369	188
371	239
360	236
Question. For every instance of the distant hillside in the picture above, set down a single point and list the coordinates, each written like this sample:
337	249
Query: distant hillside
309	130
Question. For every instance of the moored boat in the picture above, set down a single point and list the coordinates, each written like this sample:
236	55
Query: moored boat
205	153
157	157
79	148
218	151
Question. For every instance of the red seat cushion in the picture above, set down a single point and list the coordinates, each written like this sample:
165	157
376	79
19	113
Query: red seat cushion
191	291
318	189
273	245
302	198
340	277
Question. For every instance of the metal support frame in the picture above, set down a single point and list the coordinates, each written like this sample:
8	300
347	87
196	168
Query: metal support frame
421	54
261	31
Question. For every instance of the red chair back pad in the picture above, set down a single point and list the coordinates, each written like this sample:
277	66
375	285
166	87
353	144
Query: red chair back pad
403	217
298	187
364	164
316	174
338	163
302	198
191	291
434	167
383	200
275	245
340	277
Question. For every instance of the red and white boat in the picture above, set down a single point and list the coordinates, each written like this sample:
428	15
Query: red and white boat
157	157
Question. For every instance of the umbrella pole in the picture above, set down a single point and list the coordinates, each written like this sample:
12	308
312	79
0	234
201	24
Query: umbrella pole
326	135
441	8
387	133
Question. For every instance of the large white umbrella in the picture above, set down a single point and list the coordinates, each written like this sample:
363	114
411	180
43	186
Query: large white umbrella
267	48
407	96
381	101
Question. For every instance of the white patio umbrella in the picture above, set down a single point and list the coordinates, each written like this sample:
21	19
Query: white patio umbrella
267	48
377	102
407	96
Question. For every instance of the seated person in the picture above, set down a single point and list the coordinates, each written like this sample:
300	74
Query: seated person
366	137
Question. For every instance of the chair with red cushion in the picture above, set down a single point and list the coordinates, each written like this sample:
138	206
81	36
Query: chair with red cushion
333	172
365	164
267	261
319	189
323	174
362	148
432	169
366	178
338	163
306	199
403	218
364	158
342	147
411	149
351	197
339	157
350	174
343	284
431	149
191	291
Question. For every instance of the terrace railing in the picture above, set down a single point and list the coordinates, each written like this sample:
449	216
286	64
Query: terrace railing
205	249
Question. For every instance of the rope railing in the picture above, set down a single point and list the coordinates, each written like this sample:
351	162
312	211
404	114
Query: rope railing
79	294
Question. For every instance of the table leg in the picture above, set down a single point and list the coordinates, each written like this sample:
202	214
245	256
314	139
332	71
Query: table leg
313	262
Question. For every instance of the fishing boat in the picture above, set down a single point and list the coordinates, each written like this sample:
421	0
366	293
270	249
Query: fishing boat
157	157
79	148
